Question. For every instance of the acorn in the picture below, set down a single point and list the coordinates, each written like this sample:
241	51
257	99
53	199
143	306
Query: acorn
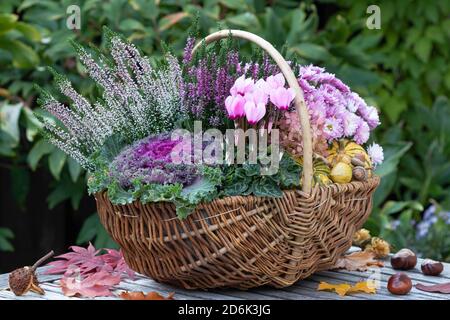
24	279
359	173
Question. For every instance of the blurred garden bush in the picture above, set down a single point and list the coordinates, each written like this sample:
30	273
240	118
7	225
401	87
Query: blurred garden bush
403	69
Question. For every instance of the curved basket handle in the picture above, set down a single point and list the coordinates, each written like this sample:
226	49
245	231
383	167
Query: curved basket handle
299	100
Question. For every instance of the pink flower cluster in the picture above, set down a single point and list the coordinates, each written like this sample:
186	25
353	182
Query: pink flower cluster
335	112
249	98
334	109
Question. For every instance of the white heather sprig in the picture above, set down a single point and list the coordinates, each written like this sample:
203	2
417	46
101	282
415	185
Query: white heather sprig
137	101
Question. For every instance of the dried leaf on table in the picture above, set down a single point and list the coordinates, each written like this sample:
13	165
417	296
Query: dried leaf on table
368	286
139	295
95	285
380	247
343	289
87	260
340	289
358	261
436	288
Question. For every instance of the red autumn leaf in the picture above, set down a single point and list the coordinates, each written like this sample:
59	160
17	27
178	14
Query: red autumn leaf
139	295
94	285
115	259
435	288
87	261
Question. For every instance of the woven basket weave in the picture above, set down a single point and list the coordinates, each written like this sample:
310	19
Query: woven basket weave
249	241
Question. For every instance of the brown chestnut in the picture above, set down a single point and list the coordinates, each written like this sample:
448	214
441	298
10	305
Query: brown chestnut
404	259
431	268
399	284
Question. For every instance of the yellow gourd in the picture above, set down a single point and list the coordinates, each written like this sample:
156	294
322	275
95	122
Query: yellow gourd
321	171
344	150
341	173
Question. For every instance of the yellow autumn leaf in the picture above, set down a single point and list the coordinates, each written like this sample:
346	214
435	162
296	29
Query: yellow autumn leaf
343	289
363	286
340	289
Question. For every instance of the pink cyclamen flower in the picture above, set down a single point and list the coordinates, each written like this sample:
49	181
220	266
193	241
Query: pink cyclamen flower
242	86
235	106
276	81
282	97
255	106
254	111
375	152
262	85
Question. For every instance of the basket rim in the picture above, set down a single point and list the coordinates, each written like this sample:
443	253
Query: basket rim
375	179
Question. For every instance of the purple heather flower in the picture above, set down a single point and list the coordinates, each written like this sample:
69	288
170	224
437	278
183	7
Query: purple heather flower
187	53
430	217
394	224
375	152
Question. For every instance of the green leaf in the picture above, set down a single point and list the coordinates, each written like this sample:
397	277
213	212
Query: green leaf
200	190
265	188
112	147
289	172
33	125
234	4
9	121
392	207
235	189
119	195
394	107
392	154
422	49
5	244
6	233
28	31
251	170
20	184
6	145
130	25
311	51
65	189
245	20
93	231
56	162
23	56
7	22
27	4
74	169
40	149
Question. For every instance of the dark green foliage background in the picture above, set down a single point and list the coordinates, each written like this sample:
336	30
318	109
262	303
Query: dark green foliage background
403	69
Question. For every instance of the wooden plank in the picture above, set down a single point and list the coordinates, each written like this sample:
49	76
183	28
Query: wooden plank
303	290
382	291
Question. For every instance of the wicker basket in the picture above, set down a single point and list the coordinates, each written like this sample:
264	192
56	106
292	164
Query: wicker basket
244	242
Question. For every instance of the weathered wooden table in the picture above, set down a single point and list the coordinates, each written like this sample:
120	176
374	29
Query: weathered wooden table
303	290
